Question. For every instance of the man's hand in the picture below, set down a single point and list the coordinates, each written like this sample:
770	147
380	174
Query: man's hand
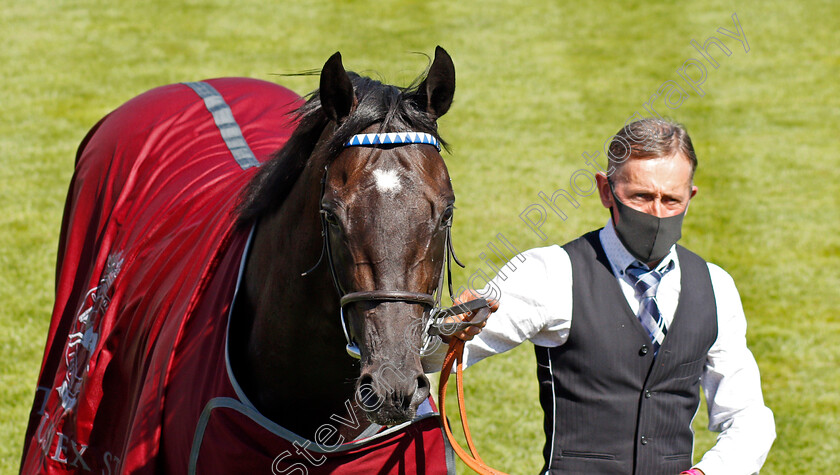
470	332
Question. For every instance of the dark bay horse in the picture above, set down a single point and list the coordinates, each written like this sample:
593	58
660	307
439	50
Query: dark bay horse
206	303
387	210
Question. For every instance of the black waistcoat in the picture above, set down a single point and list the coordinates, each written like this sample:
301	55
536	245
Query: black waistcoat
610	407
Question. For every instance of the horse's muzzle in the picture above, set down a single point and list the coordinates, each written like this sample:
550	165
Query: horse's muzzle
389	396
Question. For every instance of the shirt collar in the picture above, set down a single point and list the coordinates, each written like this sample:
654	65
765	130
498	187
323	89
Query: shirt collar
620	257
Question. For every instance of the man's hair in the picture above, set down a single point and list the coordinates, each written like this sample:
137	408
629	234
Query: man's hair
650	138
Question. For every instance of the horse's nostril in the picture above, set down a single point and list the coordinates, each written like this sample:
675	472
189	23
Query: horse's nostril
366	394
422	383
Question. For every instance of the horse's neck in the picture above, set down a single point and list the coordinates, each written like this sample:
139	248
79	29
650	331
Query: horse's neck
291	349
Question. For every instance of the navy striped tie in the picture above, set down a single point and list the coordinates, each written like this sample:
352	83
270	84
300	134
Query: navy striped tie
646	282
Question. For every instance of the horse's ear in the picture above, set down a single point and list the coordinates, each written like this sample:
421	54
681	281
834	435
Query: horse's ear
336	90
438	88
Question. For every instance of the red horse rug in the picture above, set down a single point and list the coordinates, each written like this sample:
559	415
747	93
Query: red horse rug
135	376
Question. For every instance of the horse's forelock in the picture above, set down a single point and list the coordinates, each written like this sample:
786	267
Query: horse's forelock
395	109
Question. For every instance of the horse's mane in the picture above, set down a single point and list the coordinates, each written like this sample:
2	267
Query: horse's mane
395	109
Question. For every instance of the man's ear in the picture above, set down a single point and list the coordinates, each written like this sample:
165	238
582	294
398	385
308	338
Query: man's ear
604	190
437	90
336	90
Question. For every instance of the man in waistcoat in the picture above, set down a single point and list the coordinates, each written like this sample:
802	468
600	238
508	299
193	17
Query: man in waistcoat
628	326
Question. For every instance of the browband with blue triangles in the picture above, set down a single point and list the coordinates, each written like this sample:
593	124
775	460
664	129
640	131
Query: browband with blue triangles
392	138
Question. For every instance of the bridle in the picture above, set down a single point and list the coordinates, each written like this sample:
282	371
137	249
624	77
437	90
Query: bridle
434	324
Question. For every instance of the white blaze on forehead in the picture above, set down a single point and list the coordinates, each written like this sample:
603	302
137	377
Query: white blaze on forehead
387	181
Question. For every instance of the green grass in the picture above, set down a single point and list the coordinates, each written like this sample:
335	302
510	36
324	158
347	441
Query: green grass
538	84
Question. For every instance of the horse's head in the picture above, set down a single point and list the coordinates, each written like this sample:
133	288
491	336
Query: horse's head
386	211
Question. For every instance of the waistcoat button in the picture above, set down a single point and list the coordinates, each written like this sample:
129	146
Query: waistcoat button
647	394
644	440
643	350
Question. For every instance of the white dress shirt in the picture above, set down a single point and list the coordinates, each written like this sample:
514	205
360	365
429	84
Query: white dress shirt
536	304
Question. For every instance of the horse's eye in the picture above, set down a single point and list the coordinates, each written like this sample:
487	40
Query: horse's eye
446	217
330	217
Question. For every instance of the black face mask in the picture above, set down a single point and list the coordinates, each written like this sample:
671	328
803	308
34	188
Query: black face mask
648	238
